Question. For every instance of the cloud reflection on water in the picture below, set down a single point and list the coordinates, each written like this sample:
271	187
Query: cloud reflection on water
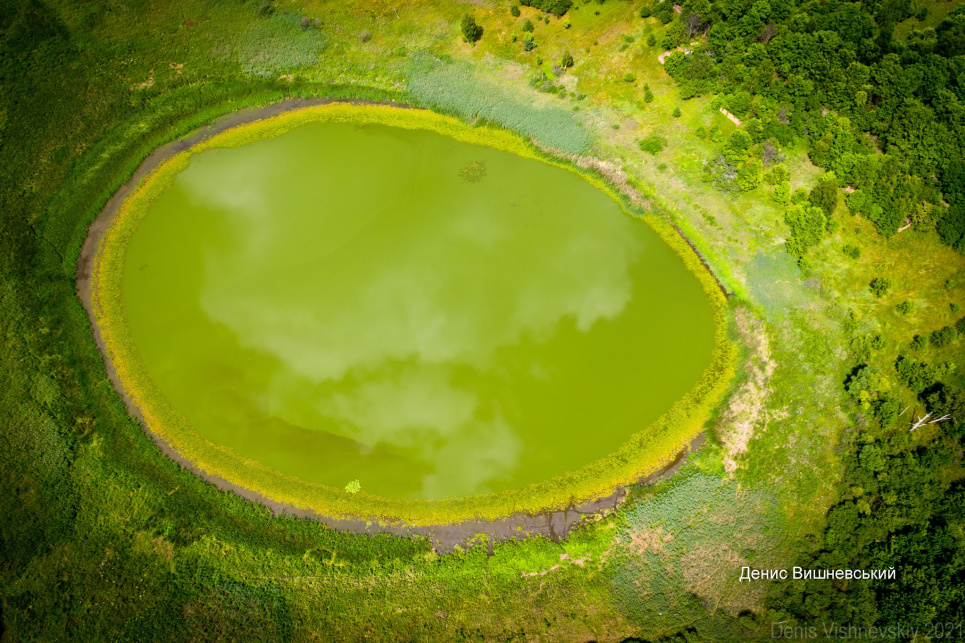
400	306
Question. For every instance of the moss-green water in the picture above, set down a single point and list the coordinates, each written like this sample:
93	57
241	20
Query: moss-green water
430	317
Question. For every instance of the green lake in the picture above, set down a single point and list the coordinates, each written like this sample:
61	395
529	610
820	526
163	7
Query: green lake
430	317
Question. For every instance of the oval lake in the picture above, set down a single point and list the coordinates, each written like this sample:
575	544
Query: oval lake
429	317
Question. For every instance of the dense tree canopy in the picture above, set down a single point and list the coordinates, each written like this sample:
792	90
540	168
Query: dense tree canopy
885	116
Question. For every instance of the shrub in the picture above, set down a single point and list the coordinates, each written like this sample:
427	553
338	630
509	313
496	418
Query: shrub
737	148
749	176
807	225
555	7
782	193
646	12
528	25
567	60
920	342
903	308
514	10
865	385
960	326
858	202
471	31
851	251
943	337
354	486
777	174
566	24
701	133
676	112
651	40
880	286
824	195
674	35
528	43
954	307
652	144
916	375
629	78
647	94
739	103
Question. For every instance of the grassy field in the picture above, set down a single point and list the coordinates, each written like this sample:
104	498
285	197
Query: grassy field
105	539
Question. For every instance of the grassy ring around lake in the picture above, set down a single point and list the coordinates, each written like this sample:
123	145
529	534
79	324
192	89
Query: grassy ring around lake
645	452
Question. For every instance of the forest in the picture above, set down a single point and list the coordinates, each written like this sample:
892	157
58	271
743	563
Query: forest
882	117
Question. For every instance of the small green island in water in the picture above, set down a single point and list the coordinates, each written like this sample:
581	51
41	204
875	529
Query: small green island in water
552	320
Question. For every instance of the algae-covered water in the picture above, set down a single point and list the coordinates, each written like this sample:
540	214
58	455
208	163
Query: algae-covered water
430	317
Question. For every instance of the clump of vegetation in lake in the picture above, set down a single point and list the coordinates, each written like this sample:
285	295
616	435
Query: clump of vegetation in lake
474	172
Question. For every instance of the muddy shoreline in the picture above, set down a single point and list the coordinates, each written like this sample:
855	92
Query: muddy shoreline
723	289
554	525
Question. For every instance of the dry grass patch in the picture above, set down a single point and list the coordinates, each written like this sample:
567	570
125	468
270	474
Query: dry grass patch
747	411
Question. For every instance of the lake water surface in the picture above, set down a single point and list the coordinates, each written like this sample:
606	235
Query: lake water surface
430	317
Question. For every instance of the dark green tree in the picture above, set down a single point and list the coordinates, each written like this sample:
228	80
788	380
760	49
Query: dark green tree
880	286
943	337
471	31
824	195
555	7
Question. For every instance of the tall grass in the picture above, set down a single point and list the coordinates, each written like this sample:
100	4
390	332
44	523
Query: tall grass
683	548
279	44
455	88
